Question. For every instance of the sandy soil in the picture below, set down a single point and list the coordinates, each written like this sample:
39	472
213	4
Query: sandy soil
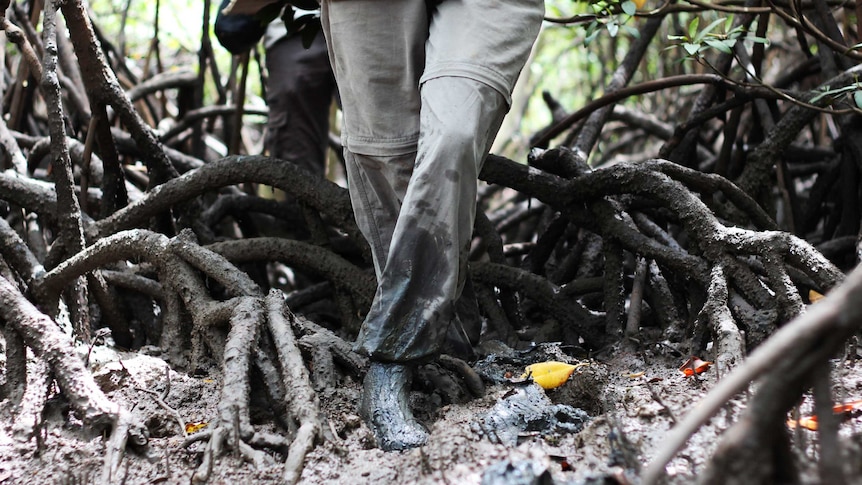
632	400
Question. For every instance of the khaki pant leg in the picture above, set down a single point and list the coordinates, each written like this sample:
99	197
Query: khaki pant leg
485	40
377	187
377	51
425	270
377	62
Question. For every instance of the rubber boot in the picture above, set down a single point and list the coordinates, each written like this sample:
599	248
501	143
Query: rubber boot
384	407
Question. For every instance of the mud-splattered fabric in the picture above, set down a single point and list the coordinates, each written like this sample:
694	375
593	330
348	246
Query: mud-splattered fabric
423	95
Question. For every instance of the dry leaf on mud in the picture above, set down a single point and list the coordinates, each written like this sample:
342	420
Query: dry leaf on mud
810	422
192	428
805	422
694	365
814	296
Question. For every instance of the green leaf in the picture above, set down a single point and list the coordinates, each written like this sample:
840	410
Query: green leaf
692	27
592	31
691	48
629	7
708	30
719	45
635	33
857	98
613	28
826	92
591	36
758	40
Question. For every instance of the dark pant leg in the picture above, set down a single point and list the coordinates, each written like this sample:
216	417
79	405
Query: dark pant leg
299	94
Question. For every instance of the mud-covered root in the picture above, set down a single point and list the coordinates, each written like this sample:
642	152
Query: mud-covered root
300	398
451	378
730	345
127	429
233	425
325	349
469	376
29	417
232	428
785	365
55	348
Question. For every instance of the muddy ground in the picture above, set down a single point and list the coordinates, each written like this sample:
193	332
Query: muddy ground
632	399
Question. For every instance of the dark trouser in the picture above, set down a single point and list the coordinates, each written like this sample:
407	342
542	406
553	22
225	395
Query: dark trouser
299	93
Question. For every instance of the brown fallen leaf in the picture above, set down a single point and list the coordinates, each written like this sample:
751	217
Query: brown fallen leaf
694	365
810	422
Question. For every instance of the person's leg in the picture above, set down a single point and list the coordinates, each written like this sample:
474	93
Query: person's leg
475	51
299	94
425	268
422	273
377	187
488	41
377	52
377	62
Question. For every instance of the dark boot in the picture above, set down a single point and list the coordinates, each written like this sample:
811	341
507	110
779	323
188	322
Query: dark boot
385	409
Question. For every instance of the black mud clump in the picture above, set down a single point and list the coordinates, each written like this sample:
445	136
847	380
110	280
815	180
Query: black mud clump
526	411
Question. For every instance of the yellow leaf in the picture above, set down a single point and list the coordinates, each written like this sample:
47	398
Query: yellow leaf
192	428
814	296
639	3
550	374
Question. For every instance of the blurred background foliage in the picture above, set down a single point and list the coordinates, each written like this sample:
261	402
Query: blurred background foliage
580	47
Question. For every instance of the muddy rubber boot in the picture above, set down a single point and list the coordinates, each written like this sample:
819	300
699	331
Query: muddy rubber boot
385	409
